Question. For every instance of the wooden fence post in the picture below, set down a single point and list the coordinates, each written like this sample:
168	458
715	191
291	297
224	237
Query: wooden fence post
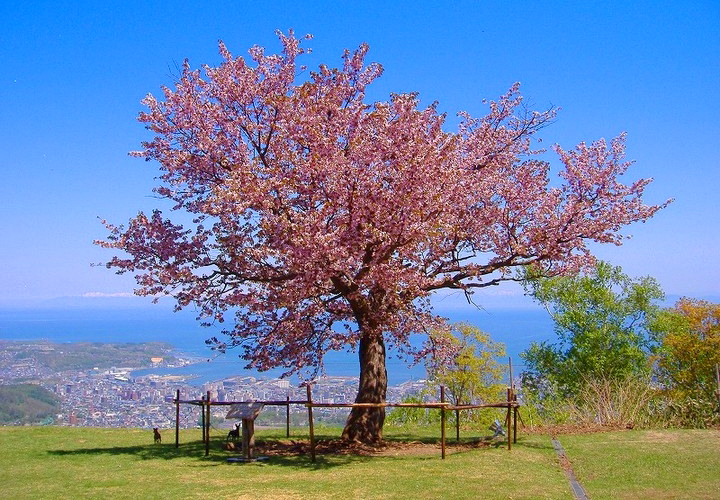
207	423
515	417
442	421
310	419
510	382
457	425
202	416
509	417
177	419
287	417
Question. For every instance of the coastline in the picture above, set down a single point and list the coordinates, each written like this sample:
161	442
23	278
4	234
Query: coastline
516	328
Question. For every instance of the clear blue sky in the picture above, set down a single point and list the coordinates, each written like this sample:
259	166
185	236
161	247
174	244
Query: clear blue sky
73	75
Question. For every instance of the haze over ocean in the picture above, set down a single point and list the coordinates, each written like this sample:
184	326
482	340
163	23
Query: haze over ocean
516	328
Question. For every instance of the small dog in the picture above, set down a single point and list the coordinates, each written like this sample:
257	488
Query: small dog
234	434
158	437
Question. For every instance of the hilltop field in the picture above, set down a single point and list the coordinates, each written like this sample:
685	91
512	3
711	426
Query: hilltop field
61	462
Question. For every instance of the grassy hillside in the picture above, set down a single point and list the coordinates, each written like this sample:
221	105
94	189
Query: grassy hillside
56	462
27	404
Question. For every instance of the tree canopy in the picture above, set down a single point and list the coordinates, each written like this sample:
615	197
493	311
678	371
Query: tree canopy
602	320
689	350
321	221
474	374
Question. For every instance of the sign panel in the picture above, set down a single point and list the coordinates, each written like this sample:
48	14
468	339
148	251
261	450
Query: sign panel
244	411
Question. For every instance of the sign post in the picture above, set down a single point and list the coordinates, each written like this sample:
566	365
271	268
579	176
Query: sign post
247	412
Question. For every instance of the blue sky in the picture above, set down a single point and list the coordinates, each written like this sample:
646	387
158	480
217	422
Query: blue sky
73	75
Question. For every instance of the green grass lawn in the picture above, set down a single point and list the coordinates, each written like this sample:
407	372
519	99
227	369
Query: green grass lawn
647	464
62	462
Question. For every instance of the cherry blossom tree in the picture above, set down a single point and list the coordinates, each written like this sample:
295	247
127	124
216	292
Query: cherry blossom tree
321	222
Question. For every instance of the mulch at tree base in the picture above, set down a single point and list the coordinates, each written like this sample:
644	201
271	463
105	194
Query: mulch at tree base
290	447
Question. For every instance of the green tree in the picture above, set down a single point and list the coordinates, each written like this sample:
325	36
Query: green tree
473	374
601	320
689	348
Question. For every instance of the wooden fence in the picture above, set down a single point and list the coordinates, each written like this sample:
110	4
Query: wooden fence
205	403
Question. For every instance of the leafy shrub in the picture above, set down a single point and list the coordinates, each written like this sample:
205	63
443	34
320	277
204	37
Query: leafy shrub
691	412
404	416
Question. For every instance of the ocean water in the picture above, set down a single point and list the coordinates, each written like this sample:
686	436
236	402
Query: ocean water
516	328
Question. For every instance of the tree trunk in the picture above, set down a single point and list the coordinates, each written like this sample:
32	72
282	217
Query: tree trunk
364	425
